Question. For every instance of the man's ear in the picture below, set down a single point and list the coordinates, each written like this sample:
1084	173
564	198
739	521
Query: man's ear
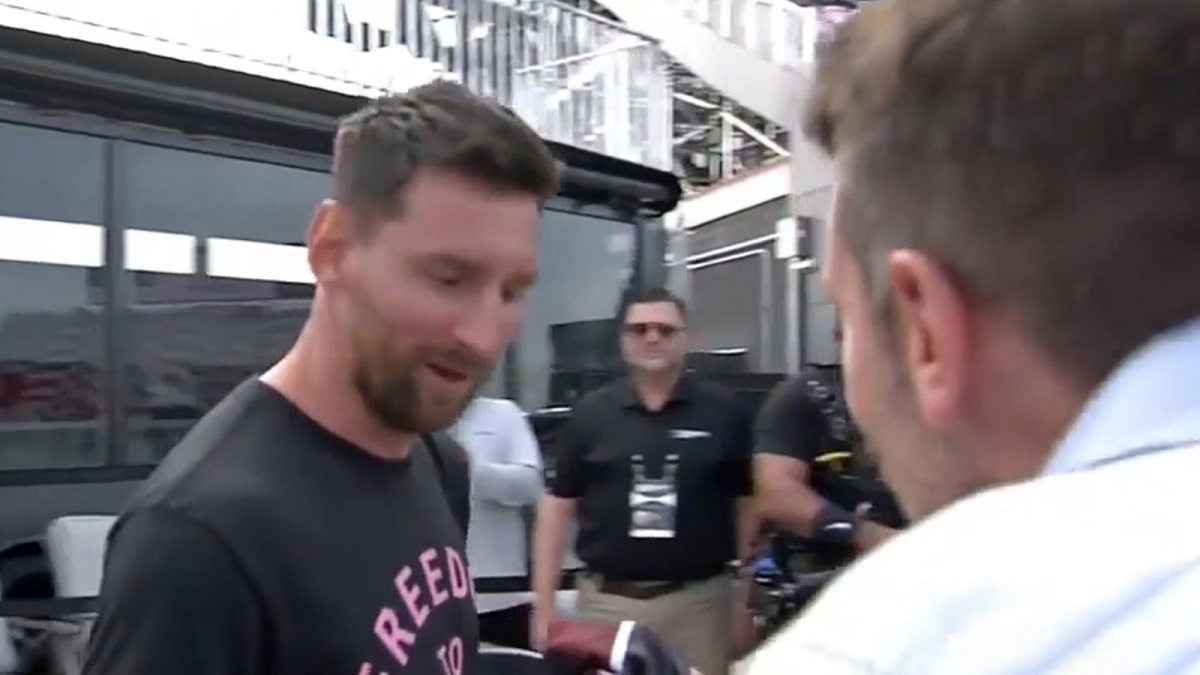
932	333
329	242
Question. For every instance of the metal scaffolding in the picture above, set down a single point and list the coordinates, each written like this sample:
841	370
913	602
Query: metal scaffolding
576	77
598	86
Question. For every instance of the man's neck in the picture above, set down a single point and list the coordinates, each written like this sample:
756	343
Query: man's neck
1031	406
1026	446
322	389
655	390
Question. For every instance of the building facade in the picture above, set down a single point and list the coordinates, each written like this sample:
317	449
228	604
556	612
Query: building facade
153	214
574	75
746	290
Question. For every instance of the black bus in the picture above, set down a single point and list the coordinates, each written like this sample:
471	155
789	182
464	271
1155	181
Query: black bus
152	215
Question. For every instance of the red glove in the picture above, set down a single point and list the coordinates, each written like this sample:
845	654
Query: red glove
583	645
575	647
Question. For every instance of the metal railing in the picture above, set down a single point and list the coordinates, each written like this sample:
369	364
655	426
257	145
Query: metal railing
595	85
777	30
273	44
577	78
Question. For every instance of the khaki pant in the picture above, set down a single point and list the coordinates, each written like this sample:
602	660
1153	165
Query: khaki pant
695	620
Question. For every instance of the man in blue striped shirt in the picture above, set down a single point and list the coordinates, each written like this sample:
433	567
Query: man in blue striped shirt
1015	254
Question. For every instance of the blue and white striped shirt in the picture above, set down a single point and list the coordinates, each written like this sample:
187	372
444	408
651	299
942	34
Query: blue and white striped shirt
1092	568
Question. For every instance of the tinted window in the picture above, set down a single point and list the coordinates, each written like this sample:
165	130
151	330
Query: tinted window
727	296
568	336
51	299
221	285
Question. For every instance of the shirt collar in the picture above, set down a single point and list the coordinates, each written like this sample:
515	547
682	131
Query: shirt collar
684	392
1149	401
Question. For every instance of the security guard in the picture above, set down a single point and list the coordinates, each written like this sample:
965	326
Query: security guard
807	471
654	468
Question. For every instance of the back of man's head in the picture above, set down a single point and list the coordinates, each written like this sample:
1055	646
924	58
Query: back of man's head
1047	153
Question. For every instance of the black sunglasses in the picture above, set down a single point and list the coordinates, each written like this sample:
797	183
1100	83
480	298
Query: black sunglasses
643	328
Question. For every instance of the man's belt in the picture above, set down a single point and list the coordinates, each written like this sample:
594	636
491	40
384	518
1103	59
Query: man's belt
643	590
48	608
639	590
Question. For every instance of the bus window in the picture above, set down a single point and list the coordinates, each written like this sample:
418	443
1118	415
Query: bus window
51	299
568	342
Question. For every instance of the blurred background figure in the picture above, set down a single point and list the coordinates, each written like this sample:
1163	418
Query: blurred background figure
808	463
655	470
1029	401
506	480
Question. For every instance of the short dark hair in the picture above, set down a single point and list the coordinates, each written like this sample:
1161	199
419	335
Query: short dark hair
441	125
655	295
1046	153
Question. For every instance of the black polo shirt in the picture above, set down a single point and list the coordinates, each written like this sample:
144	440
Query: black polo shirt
656	490
793	424
790	423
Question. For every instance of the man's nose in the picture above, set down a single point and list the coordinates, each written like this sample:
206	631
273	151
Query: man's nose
653	336
486	331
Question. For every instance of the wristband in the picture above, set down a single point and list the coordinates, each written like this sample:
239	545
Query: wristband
834	525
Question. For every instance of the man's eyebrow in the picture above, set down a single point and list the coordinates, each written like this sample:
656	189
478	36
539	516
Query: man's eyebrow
449	260
465	265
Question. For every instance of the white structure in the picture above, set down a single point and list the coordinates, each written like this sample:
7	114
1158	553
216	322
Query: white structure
757	52
761	53
576	78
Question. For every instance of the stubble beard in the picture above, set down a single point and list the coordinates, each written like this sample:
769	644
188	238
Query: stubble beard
653	367
390	390
393	396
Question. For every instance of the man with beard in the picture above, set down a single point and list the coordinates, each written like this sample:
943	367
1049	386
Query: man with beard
655	468
301	527
1015	253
